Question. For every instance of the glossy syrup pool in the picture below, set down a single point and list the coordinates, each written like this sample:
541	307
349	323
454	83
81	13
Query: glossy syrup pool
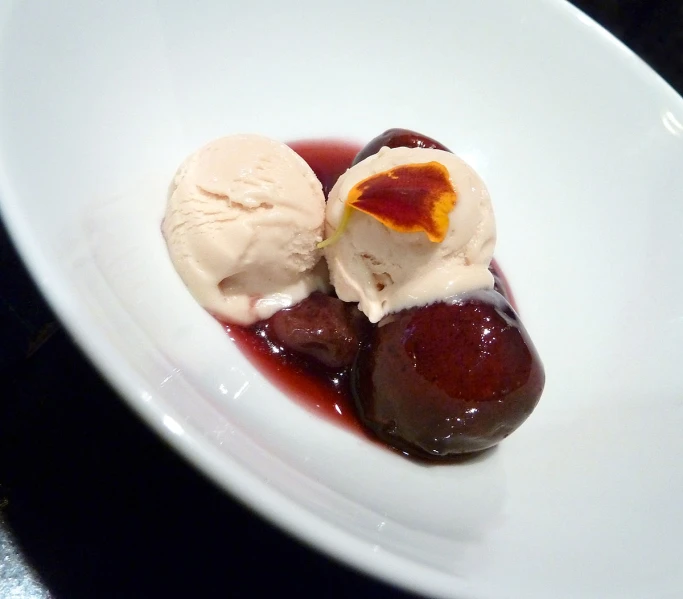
324	391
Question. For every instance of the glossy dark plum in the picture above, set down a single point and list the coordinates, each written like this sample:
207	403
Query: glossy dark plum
323	328
448	379
398	138
327	159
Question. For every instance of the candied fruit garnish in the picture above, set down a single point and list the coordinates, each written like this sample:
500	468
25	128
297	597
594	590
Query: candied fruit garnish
408	198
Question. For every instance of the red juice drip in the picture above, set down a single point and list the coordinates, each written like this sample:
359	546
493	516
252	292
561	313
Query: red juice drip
325	391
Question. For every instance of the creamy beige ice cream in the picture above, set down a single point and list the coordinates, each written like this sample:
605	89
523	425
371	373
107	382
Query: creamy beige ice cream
242	224
385	270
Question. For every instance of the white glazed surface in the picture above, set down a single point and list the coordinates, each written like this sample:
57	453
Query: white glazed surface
580	146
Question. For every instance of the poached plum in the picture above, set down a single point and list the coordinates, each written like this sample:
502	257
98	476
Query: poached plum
448	378
321	327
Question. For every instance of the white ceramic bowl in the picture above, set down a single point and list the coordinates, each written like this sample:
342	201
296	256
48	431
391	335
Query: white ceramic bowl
581	146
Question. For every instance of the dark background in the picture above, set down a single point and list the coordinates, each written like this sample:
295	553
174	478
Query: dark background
93	504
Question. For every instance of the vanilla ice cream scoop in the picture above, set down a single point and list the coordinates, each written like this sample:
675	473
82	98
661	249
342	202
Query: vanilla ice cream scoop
242	224
385	270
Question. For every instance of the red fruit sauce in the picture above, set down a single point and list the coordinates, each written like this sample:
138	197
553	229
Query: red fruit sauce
322	390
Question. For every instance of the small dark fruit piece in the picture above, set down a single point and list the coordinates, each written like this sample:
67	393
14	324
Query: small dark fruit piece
398	138
448	378
321	327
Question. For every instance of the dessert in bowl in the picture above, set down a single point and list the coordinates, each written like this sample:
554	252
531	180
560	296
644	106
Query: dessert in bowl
580	153
409	330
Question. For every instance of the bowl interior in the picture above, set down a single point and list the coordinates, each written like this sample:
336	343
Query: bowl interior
581	151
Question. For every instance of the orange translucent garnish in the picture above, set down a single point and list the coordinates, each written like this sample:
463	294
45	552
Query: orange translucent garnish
408	198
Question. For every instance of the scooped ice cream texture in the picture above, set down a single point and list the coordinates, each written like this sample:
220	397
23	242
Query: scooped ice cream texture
245	218
242	226
386	269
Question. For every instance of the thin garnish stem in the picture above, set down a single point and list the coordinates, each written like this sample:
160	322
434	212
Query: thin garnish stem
346	215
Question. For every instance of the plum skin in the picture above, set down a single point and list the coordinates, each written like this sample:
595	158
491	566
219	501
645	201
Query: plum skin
323	328
397	138
448	379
